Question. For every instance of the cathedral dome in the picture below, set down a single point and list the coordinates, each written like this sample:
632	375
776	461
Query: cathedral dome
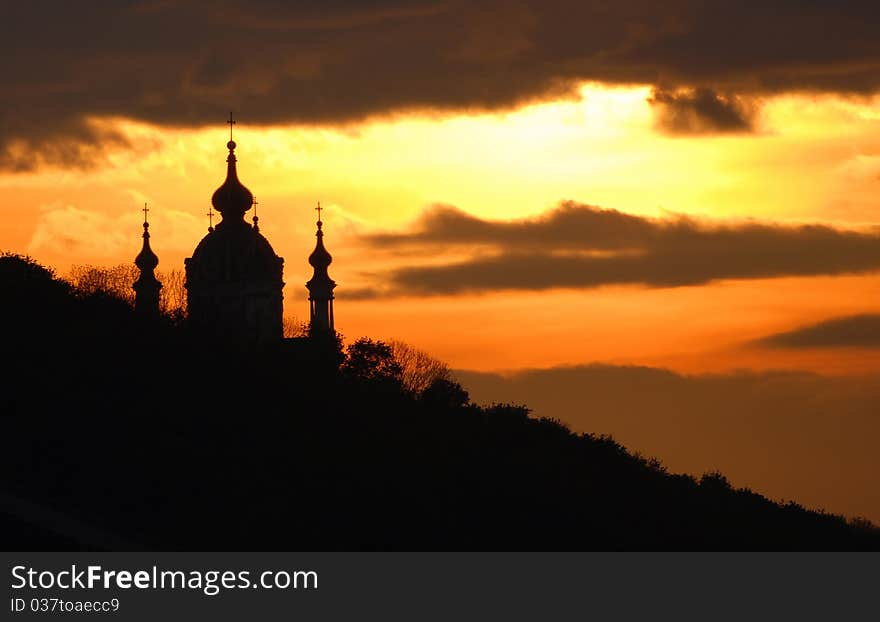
234	278
235	252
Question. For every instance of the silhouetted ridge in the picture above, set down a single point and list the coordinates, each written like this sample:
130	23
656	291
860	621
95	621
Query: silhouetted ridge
150	435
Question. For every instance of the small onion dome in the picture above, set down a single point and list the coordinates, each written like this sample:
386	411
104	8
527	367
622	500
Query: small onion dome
232	199
146	259
320	258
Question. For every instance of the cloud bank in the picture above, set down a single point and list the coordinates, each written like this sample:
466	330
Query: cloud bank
186	63
582	246
855	331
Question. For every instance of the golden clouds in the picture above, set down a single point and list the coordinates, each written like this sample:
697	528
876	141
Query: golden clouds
813	161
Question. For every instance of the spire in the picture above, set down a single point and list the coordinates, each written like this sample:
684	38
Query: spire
320	286
147	285
232	199
256	219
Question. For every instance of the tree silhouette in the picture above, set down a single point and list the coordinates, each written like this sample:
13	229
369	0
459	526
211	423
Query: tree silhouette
372	361
419	370
116	281
445	393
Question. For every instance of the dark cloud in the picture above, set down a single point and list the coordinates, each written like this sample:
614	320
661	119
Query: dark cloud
581	246
78	145
701	111
856	331
186	63
809	437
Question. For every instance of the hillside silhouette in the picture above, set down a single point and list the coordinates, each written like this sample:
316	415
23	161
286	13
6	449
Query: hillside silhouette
121	432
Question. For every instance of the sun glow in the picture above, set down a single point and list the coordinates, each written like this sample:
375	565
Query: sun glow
810	159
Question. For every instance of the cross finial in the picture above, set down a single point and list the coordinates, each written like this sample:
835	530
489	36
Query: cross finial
231	122
210	216
145	210
318	209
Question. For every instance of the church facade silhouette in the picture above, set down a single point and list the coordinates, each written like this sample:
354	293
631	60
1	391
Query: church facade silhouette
234	278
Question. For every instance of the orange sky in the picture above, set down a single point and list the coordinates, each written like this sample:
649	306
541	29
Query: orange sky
813	159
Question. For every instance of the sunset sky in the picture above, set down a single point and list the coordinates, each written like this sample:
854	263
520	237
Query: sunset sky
510	186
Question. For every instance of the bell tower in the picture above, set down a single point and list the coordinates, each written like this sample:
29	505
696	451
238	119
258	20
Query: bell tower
320	286
146	288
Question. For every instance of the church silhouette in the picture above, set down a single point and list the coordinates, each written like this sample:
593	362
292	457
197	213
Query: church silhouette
234	279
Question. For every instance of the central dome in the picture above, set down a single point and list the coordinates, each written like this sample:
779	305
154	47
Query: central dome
235	253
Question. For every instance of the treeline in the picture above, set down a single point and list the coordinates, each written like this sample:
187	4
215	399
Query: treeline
137	432
116	281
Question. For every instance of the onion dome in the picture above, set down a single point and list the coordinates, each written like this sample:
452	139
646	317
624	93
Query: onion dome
146	260
232	199
320	259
